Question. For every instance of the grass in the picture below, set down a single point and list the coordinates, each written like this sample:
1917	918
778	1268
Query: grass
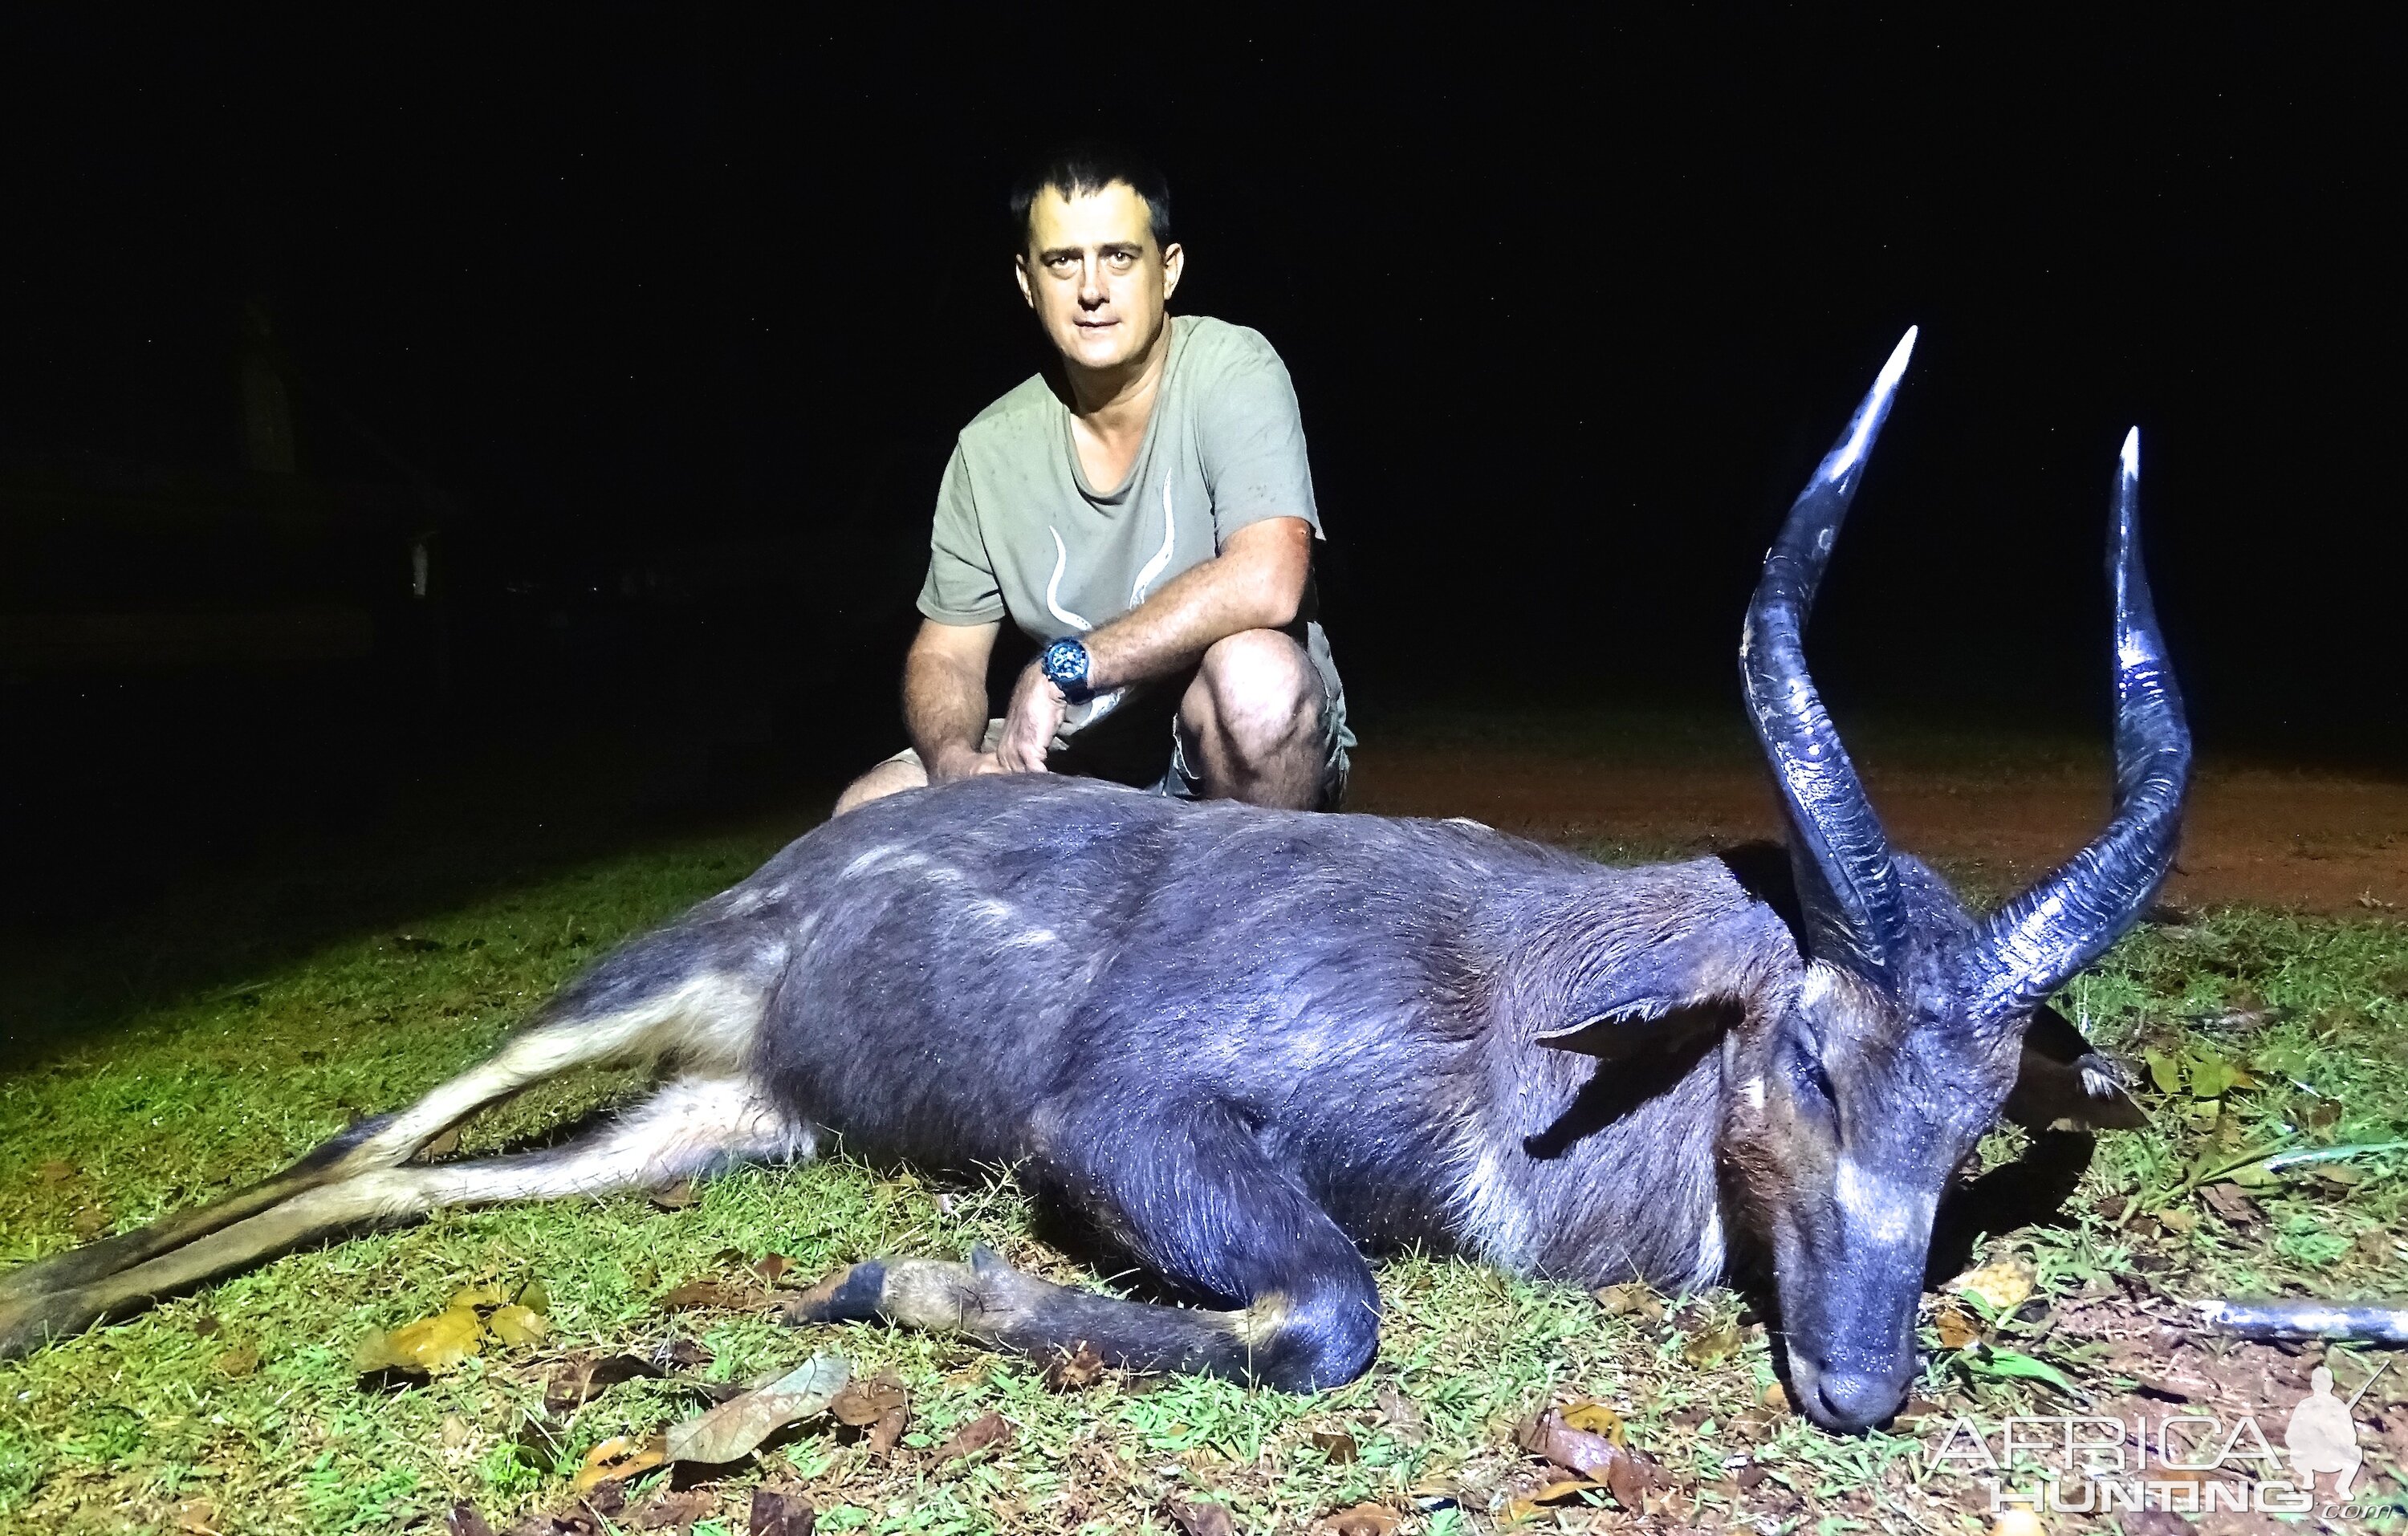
237	1410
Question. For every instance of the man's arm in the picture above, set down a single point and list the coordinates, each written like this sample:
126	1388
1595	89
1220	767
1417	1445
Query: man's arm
1256	582
944	697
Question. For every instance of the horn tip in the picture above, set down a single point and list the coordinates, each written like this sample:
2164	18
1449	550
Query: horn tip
2131	454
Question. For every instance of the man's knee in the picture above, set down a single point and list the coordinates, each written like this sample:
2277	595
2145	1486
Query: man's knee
1262	689
891	777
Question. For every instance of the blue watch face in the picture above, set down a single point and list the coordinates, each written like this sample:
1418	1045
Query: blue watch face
1065	665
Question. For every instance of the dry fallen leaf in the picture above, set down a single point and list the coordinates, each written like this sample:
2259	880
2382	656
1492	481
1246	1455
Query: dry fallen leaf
423	1348
2005	1285
1596	1418
1554	1493
1200	1519
1362	1520
1074	1371
1957	1329
976	1436
517	1324
1581	1451
1711	1346
616	1460
736	1427
1631	1299
780	1511
698	1294
2227	1200
582	1378
672	1511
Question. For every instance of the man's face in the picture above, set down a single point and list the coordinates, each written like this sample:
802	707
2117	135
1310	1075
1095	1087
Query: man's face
1094	275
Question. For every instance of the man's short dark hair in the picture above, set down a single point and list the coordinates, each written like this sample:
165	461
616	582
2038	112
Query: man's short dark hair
1081	170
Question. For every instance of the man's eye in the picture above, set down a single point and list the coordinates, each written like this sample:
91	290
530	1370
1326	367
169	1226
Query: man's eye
1123	260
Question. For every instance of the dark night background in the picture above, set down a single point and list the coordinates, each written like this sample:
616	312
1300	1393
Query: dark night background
657	326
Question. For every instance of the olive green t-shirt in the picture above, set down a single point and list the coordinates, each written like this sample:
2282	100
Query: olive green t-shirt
1020	533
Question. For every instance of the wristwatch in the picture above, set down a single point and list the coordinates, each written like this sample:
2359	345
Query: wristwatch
1065	664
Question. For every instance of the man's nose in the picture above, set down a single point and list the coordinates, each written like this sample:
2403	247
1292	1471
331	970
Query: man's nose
1091	282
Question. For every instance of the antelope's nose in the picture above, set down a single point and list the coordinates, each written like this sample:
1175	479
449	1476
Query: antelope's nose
1855	1400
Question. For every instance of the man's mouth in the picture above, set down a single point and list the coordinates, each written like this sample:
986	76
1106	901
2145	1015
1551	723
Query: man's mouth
1097	324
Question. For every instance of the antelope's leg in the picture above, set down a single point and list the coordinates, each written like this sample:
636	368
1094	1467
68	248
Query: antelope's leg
84	1265
693	1126
1195	1200
680	1013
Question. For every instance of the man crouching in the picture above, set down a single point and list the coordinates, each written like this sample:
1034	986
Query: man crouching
1146	517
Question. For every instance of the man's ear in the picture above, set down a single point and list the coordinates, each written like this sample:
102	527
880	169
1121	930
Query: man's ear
1174	262
1020	276
2063	1085
1673	991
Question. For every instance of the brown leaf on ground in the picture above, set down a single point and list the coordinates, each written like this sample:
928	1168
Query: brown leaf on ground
1581	1451
1553	1493
464	1520
1404	1420
1711	1346
696	1295
676	1197
1075	1370
781	1512
615	1460
988	1430
517	1324
863	1402
1362	1520
1632	1299
581	1378
237	1362
1957	1328
672	1511
682	1355
1634	1476
1337	1445
1200	1519
2227	1200
424	1348
1597	1419
736	1427
2005	1283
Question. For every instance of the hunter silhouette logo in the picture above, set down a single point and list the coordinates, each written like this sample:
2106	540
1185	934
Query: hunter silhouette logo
2322	1435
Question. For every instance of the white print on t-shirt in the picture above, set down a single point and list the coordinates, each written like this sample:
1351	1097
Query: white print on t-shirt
1106	703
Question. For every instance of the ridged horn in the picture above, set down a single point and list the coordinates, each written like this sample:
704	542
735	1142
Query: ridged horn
1855	916
2031	945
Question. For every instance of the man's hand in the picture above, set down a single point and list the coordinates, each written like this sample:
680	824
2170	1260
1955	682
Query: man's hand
961	763
1029	723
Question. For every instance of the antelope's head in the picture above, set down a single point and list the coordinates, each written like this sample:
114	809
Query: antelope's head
1854	1094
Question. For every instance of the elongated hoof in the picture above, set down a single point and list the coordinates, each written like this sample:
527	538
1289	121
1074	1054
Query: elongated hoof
849	1296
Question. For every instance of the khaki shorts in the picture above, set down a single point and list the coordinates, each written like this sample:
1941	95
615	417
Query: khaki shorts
1128	747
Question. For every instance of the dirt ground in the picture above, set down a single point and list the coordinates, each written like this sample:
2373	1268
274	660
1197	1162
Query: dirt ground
2317	840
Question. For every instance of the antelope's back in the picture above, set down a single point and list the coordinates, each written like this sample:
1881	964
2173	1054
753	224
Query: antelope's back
966	964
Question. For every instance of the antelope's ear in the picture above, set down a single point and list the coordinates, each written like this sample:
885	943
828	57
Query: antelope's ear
1674	990
2065	1085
